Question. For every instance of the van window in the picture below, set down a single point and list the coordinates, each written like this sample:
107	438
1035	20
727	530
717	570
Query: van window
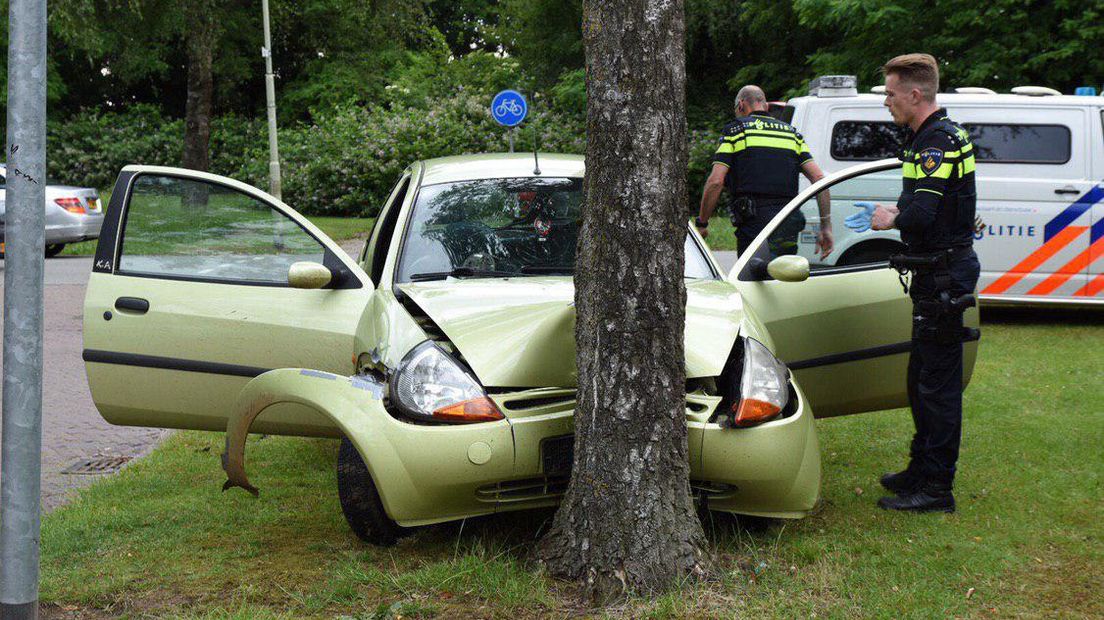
1021	144
866	140
994	143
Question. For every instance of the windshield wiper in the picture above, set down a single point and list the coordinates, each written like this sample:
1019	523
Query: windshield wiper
461	272
548	269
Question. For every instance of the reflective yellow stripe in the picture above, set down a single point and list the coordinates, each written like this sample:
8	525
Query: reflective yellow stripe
768	132
730	147
964	150
802	147
774	143
943	171
924	189
908	170
968	165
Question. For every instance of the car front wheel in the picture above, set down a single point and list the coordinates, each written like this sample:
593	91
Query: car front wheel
361	502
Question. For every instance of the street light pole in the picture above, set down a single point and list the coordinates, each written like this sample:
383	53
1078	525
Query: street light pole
270	95
25	224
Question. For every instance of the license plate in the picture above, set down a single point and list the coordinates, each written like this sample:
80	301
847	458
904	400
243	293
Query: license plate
557	455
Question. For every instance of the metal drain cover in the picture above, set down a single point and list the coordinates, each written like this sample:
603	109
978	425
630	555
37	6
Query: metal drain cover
98	465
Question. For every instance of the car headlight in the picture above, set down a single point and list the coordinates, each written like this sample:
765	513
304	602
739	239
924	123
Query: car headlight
764	386
429	384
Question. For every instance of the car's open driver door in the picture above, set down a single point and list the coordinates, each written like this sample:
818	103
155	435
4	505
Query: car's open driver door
193	294
845	332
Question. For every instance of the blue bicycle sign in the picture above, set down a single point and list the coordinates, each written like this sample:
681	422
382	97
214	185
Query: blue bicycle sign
509	108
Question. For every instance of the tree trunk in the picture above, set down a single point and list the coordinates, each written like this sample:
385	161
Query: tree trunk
627	522
199	39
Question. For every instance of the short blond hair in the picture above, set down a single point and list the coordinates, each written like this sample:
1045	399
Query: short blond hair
919	70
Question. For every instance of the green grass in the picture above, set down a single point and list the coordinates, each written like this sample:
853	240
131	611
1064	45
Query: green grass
161	538
722	235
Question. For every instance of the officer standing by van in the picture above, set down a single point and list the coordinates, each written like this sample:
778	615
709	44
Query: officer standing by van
935	214
758	161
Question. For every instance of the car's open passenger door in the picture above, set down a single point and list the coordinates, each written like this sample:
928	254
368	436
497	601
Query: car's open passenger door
845	331
191	296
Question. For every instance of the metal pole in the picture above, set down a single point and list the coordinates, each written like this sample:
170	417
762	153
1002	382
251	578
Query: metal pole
510	135
270	95
25	224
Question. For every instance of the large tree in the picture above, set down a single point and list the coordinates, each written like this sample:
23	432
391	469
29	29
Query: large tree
627	522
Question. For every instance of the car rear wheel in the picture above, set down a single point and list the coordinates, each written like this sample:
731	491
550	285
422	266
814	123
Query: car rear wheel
361	502
54	250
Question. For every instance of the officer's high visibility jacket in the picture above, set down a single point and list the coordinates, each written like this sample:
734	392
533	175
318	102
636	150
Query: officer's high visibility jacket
764	156
939	197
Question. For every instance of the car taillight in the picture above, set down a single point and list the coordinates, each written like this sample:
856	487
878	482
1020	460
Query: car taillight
72	205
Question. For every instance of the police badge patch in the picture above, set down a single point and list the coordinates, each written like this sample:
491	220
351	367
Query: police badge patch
930	159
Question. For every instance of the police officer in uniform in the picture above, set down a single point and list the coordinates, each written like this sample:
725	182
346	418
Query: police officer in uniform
758	161
935	214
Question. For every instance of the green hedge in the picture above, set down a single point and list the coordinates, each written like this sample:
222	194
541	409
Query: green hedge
343	164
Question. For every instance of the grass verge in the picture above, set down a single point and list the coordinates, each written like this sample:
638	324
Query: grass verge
162	539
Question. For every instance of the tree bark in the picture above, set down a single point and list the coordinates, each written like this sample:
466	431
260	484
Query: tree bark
627	522
199	39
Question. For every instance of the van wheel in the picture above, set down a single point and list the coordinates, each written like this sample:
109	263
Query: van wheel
361	502
54	250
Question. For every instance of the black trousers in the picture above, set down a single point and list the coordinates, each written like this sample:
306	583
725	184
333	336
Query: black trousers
783	239
935	376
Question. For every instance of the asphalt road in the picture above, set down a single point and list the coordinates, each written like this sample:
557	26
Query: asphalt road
72	429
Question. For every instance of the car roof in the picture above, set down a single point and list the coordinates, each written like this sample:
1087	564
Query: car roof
499	166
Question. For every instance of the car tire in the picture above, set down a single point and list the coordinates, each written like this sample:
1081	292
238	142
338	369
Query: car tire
361	502
54	250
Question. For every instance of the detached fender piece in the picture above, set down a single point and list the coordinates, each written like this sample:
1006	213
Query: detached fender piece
424	474
341	398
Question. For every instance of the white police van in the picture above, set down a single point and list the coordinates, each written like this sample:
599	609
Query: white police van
1040	183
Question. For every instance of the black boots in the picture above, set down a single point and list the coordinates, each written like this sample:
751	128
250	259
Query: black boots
904	482
925	496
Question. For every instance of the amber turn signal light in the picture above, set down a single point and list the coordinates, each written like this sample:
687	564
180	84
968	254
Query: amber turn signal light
480	409
751	412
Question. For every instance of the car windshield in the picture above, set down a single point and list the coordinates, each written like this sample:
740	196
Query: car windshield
502	227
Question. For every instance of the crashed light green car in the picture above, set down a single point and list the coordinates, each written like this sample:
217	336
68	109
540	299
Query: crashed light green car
444	357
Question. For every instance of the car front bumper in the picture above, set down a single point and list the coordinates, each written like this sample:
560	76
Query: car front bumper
433	473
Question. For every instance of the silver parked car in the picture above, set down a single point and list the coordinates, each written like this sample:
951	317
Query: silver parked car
72	214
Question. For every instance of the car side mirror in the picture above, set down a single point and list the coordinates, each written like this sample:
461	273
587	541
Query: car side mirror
789	268
306	274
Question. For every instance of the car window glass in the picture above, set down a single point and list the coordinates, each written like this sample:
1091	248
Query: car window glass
194	229
994	142
382	234
697	267
517	227
1020	144
799	231
867	140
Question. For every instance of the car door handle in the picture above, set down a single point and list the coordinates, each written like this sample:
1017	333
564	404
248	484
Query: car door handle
132	304
1067	190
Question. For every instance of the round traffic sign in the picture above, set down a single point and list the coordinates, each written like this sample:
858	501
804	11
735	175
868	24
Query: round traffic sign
509	108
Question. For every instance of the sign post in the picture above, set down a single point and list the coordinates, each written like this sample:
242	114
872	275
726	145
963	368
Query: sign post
25	224
509	108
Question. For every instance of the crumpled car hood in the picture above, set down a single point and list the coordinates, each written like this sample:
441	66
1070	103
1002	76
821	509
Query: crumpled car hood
520	332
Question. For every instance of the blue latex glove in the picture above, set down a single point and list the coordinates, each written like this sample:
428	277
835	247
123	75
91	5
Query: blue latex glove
860	222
